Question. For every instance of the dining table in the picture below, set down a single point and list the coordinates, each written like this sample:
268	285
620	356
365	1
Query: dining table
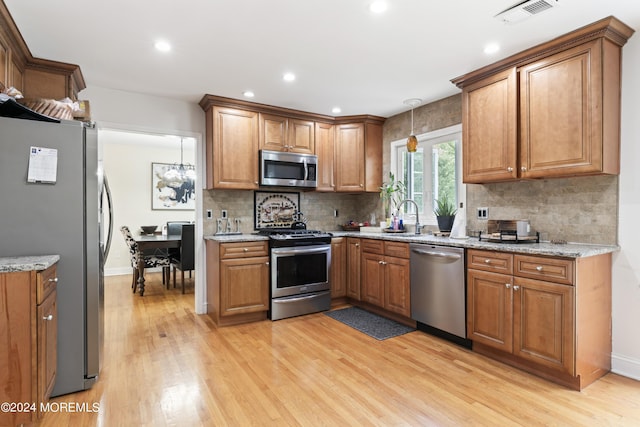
153	241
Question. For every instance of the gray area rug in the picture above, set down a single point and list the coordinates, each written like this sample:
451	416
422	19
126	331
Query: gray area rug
371	324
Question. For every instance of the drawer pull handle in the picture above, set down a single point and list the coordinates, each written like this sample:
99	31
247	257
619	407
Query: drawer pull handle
55	279
49	317
539	268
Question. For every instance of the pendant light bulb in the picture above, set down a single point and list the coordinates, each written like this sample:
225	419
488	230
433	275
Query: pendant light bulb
412	141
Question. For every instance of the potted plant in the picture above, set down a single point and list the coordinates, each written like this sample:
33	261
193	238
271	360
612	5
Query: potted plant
445	212
392	192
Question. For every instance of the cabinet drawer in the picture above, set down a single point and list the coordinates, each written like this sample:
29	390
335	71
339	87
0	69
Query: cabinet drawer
46	283
396	249
244	249
549	269
499	262
373	246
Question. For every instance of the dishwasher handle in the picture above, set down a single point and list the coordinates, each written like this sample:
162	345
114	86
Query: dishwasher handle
436	254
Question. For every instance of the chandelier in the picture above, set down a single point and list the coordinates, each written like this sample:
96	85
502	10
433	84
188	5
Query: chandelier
412	141
179	173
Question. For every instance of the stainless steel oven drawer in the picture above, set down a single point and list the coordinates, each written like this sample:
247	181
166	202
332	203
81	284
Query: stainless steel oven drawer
297	305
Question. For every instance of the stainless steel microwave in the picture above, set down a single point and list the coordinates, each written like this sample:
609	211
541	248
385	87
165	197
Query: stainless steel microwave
284	169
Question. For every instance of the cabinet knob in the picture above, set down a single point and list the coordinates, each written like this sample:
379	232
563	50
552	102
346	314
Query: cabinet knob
487	261
507	285
539	268
49	317
509	169
516	287
523	169
245	249
361	185
380	262
267	263
357	245
55	279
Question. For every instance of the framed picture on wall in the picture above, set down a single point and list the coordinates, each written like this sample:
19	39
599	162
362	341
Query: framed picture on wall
172	188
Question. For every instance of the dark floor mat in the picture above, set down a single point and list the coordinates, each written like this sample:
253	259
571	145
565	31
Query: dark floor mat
371	324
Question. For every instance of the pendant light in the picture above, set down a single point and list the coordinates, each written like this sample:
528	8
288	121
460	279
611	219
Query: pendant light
179	173
412	141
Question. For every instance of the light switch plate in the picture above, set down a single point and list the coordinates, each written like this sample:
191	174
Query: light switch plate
224	213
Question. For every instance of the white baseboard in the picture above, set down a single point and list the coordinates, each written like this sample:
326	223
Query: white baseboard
625	366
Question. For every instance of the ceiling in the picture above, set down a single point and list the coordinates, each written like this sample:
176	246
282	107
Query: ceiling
342	54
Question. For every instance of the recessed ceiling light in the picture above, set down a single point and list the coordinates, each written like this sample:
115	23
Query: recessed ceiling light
288	77
248	94
378	6
162	46
491	48
336	110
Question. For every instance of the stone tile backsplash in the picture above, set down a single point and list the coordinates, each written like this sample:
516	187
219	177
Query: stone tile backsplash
581	209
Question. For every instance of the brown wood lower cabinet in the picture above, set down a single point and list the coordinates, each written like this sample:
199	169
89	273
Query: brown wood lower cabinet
385	275
29	335
353	268
338	269
550	316
237	281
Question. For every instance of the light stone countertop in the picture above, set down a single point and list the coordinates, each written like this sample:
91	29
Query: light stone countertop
27	263
569	250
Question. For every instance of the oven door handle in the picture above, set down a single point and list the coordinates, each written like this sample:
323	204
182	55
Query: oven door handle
301	250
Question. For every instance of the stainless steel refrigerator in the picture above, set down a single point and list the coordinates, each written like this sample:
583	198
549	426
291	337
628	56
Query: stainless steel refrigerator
63	217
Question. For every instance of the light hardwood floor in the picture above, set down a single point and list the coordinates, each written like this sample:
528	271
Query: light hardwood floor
166	366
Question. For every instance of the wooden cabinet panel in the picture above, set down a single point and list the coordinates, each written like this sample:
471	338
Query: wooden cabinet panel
353	268
244	285
396	249
373	157
301	136
561	114
373	279
373	246
338	268
244	249
16	75
232	149
489	309
489	129
349	157
47	345
498	262
555	270
397	290
279	133
325	143
543	323
4	63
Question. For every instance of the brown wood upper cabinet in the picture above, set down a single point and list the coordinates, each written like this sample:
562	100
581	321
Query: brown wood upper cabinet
279	133
358	156
325	146
563	96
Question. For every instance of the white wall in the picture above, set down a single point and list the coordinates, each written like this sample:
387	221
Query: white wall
626	264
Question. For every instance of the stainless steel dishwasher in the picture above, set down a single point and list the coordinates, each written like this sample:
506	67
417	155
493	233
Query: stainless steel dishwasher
438	291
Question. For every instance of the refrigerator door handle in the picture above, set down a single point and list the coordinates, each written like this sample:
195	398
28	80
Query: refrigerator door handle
107	190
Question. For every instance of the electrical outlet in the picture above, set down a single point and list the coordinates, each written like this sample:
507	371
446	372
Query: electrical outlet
483	213
224	213
209	214
335	213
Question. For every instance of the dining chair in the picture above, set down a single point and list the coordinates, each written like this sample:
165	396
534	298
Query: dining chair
149	260
185	259
174	228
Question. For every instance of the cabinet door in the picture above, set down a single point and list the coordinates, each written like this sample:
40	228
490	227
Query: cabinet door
353	268
325	142
373	277
338	271
560	114
301	136
47	345
244	285
349	157
489	129
397	291
4	63
543	323
232	140
489	309
273	132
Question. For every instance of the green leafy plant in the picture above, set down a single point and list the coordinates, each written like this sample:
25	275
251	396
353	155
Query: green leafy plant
392	192
445	207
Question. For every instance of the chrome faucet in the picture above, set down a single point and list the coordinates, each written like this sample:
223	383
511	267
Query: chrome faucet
417	216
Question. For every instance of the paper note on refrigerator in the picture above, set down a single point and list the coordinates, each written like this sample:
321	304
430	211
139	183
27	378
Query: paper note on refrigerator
43	165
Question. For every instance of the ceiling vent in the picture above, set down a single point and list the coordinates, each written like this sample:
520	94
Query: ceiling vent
523	10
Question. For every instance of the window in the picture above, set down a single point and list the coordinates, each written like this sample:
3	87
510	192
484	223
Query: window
432	172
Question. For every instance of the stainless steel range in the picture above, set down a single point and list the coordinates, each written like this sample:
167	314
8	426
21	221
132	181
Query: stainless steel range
300	261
